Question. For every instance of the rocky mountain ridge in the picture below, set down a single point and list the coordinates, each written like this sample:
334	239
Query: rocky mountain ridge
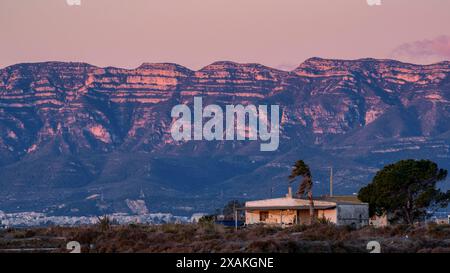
99	129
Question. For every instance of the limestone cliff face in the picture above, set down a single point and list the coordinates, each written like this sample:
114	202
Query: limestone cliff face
81	106
352	94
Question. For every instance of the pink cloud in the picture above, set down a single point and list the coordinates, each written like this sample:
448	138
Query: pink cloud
437	49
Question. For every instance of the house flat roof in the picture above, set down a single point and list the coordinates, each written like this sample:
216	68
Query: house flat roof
287	202
342	199
288	207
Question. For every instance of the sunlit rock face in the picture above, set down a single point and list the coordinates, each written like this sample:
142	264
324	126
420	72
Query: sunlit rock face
70	109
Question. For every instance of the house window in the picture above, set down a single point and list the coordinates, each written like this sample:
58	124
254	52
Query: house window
263	216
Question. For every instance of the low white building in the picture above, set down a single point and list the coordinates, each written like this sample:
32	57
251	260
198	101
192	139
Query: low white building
197	216
340	210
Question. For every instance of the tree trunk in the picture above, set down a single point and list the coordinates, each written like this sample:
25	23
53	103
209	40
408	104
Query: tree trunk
311	208
408	209
408	216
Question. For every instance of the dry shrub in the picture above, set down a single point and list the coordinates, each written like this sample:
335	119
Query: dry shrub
185	233
440	250
297	228
171	228
397	230
258	231
23	234
182	238
438	231
263	246
86	236
325	232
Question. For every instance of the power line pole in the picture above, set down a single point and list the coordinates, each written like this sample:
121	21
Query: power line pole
331	182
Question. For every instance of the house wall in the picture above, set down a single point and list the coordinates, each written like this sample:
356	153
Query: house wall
343	214
303	216
288	216
329	214
275	217
251	217
353	214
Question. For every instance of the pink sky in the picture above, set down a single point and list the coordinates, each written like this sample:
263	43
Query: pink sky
194	33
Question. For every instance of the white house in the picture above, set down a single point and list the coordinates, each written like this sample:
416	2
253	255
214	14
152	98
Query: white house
340	210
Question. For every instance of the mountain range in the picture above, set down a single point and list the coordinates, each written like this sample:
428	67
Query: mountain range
81	139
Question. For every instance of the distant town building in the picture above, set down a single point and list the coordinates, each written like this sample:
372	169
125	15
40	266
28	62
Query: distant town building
137	207
2	216
34	219
196	217
442	221
340	210
439	219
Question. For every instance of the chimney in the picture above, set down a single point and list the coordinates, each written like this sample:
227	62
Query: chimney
289	194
